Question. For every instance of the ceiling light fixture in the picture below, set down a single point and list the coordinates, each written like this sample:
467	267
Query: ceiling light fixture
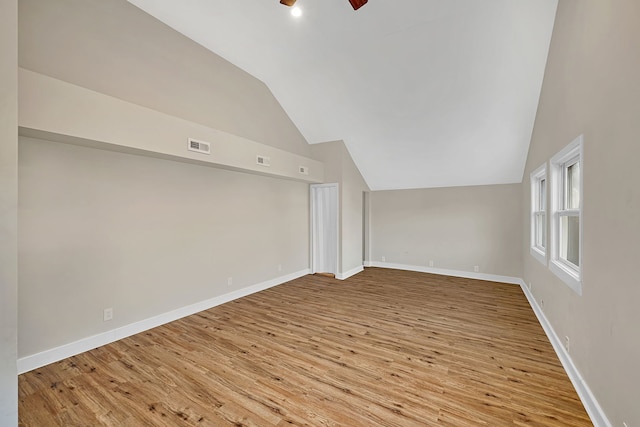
356	4
296	11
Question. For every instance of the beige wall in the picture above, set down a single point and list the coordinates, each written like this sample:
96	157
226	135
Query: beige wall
340	168
8	212
591	87
458	228
353	187
145	236
112	47
110	229
53	109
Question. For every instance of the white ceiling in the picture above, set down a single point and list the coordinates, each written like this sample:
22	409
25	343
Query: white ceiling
424	93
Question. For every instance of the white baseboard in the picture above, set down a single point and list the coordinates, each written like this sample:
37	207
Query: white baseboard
445	272
593	408
56	354
597	415
352	272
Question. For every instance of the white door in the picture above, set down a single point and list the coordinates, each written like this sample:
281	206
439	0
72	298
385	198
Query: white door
324	228
366	208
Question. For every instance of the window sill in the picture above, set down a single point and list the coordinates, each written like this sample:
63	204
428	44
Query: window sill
569	277
539	255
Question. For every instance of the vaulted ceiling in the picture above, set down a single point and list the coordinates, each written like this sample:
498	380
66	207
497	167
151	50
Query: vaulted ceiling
424	93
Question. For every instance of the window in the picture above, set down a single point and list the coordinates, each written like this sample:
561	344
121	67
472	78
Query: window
566	211
539	214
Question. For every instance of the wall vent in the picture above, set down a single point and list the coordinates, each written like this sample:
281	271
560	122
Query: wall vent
303	170
263	160
199	146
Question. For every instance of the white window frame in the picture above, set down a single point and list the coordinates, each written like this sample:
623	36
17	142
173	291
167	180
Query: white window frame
565	270
539	208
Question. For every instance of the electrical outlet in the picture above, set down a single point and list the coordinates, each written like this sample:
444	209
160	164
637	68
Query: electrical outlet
430	263
541	303
384	258
107	314
229	281
279	267
566	343
529	285
476	268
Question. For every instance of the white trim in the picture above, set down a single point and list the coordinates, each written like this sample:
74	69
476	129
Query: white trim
366	227
597	415
445	272
329	184
572	278
536	176
34	361
568	275
593	408
569	152
312	239
352	272
538	254
540	172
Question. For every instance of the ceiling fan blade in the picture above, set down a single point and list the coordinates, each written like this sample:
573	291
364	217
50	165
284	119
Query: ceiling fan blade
288	2
357	4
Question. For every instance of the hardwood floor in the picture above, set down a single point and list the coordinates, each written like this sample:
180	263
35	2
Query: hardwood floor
384	348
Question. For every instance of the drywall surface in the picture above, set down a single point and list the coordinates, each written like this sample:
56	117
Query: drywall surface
113	47
457	228
591	87
144	236
53	109
340	168
8	211
353	187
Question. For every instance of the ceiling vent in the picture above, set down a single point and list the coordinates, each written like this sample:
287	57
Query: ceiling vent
199	146
263	160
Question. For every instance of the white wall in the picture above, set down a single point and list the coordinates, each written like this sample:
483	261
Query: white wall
458	228
591	87
145	236
8	211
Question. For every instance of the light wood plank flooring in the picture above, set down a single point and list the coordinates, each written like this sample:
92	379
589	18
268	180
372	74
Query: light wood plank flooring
384	348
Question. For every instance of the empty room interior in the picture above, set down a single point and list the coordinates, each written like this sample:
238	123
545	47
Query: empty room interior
336	212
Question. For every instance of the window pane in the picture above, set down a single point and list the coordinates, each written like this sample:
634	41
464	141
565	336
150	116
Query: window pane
542	202
570	239
573	186
541	228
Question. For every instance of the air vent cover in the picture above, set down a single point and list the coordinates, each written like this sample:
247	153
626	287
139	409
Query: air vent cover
263	160
199	146
303	170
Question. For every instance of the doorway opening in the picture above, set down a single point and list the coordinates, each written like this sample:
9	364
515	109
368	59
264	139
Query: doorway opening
324	229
